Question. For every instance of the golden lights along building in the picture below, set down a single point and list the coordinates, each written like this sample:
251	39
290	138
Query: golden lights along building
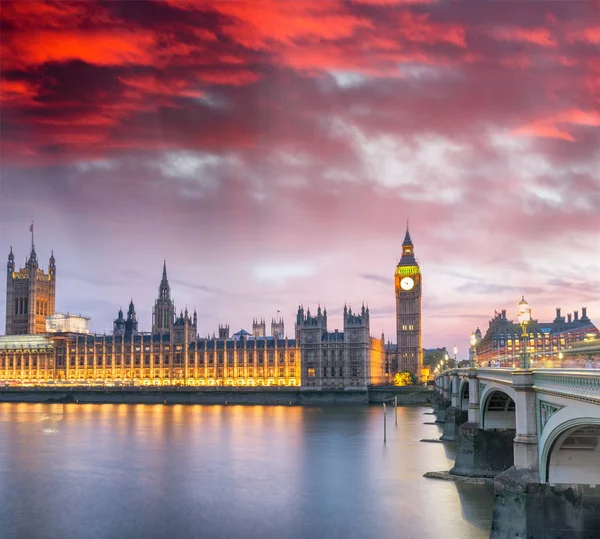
547	343
65	352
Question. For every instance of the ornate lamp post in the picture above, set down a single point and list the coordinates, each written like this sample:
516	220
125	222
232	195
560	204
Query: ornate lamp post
473	350
524	317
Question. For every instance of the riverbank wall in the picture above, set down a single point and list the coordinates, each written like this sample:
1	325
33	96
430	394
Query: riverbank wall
186	395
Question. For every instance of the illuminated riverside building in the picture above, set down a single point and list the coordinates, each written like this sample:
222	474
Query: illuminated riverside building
546	341
173	353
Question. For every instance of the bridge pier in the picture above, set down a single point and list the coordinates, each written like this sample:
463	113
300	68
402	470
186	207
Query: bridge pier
454	416
524	507
445	400
481	453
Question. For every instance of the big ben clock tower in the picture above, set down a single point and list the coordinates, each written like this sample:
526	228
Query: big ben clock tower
408	287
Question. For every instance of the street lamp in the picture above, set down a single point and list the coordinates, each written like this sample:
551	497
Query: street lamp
473	350
524	317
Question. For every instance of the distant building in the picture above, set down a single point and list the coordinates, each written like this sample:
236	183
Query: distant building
546	341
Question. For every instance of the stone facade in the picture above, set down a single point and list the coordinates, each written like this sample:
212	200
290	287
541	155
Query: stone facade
173	353
339	359
408	287
30	295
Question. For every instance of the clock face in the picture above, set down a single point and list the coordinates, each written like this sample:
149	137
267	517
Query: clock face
407	283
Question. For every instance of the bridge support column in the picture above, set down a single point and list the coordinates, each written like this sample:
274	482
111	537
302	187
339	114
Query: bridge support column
519	498
474	413
526	440
445	401
446	387
454	382
454	416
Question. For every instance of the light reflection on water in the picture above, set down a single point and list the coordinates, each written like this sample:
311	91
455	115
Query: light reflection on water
154	471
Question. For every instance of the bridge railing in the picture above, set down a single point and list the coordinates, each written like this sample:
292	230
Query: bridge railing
582	384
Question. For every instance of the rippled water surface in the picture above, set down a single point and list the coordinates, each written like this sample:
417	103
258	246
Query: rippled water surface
147	471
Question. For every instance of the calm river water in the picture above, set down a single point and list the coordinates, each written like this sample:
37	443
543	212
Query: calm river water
177	472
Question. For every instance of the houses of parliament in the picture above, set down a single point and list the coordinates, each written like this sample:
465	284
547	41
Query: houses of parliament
44	347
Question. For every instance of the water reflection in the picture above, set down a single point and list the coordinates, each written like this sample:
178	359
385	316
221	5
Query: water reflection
155	471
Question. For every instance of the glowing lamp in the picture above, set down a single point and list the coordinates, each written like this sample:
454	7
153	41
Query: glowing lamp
524	315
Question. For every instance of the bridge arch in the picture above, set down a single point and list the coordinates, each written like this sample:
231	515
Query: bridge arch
570	451
463	395
498	409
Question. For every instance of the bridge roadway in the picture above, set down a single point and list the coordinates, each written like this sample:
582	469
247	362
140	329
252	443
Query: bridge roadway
537	432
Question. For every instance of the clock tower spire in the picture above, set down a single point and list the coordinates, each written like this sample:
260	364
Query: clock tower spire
408	288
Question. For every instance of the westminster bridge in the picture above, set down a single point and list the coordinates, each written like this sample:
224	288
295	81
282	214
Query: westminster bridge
537	432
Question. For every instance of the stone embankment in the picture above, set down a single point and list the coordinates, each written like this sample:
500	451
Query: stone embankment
447	476
185	395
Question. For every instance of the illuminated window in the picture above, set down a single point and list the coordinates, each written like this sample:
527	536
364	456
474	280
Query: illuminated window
311	372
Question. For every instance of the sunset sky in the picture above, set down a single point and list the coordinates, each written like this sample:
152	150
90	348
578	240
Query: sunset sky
273	151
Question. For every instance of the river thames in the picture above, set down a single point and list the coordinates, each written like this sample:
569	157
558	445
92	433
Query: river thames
152	471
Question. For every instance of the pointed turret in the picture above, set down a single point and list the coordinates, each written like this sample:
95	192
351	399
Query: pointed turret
131	324
32	261
11	262
163	315
407	240
408	255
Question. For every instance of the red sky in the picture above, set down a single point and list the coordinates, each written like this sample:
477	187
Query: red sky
273	151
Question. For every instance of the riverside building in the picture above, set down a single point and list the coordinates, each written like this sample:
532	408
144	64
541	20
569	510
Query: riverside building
545	342
172	353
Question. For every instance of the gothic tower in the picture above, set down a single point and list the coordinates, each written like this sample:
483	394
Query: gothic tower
30	294
277	330
408	287
163	314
